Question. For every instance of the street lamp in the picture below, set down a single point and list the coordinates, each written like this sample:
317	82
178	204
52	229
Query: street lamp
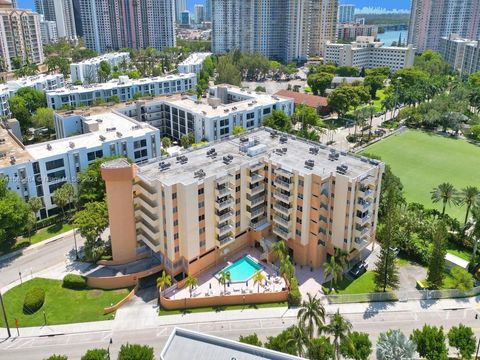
75	242
108	348
5	315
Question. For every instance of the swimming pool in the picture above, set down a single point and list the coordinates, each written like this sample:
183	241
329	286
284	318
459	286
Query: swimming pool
242	269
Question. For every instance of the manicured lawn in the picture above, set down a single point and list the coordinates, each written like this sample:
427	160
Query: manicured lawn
361	285
423	160
461	252
378	100
62	306
223	308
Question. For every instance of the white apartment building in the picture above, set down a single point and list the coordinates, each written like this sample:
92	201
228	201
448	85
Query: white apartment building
346	13
86	71
123	88
365	52
20	36
61	12
49	31
40	169
461	54
42	82
193	64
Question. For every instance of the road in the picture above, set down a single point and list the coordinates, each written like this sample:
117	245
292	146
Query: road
76	344
37	259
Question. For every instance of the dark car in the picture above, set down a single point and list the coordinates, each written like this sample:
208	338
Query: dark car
358	269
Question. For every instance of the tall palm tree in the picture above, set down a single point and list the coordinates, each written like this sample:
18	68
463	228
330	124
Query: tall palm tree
279	249
360	117
394	345
163	281
287	268
339	328
370	111
258	278
299	338
311	314
341	257
469	196
333	270
191	281
445	193
223	278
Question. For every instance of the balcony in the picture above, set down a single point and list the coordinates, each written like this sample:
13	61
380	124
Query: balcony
279	196
255	178
142	214
360	242
146	189
363	205
225	239
361	231
256	166
224	228
146	229
260	224
283	184
143	202
226	179
224	216
284	172
256	200
282	209
282	233
363	219
280	220
222	204
256	189
368	180
224	190
257	212
365	192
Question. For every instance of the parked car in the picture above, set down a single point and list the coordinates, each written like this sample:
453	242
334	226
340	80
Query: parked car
358	269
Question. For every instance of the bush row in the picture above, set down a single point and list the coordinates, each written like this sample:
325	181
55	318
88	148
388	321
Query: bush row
75	282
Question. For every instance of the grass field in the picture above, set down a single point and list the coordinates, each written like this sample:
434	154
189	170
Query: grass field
62	306
361	285
423	160
223	308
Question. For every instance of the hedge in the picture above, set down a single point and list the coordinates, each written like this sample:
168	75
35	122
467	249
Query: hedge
57	357
34	300
135	352
95	354
294	295
74	281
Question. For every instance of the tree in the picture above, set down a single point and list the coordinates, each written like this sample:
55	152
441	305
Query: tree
286	267
258	279
238	130
333	270
191	282
30	224
57	357
34	99
166	142
278	120
251	340
13	214
311	315
187	140
307	116
469	196
227	72
104	71
163	281
461	279
95	354
431	342
463	339
359	346
63	196
281	342
35	204
135	352
320	349
319	82
347	71
374	83
43	118
339	328
223	278
18	108
299	338
436	266
394	345
91	187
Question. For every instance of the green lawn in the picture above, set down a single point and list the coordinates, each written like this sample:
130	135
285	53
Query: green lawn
423	160
378	100
361	285
459	251
62	306
223	308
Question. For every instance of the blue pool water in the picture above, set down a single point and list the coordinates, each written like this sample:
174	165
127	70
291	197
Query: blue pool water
243	269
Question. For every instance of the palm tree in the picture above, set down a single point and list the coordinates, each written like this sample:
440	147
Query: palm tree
475	231
342	257
370	111
469	196
286	268
360	116
163	281
223	278
299	338
394	345
445	193
339	328
279	249
311	314
333	270
191	281
258	278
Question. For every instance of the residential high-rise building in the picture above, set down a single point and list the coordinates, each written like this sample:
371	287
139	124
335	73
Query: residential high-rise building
20	36
60	11
199	13
180	6
49	31
185	18
430	20
350	31
208	10
114	24
346	13
281	29
461	54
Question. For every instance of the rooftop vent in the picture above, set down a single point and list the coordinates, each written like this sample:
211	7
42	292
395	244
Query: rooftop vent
182	159
314	150
283	139
102	138
199	173
2	155
211	153
71	144
309	164
163	165
244	139
111	129
119	134
2	141
49	147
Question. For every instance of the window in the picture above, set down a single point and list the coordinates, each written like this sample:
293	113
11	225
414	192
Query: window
177	249
175	209
237	176
175	223
320	243
201	191
299	221
54	164
237	224
299	208
300	195
175	236
201	204
237	201
140	154
139	143
237	212
174	196
201	217
300	183
94	155
237	189
201	230
202	243
298	232
56	175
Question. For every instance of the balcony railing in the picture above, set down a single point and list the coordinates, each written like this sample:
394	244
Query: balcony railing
222	191
363	205
225	216
283	184
224	229
281	220
263	223
366	192
256	200
256	178
257	189
363	219
282	209
256	166
225	203
223	240
285	198
257	212
282	233
360	242
361	230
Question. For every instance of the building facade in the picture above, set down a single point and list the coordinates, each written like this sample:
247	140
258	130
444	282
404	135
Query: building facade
48	30
185	21
430	20
281	29
87	71
180	7
350	31
114	24
60	11
123	89
346	13
193	64
365	52
461	54
20	36
252	190
199	13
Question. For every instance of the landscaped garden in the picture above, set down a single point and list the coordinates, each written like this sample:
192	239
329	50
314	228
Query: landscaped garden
61	305
361	285
423	160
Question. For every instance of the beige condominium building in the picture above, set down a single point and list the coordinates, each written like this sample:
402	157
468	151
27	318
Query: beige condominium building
255	189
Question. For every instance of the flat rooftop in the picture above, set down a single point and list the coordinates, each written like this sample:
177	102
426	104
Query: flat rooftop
298	151
195	58
10	146
104	57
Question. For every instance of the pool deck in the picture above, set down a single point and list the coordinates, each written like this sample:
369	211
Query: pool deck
208	284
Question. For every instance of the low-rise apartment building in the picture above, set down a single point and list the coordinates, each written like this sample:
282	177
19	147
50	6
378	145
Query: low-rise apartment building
123	88
462	54
350	31
251	190
193	64
86	71
40	169
365	52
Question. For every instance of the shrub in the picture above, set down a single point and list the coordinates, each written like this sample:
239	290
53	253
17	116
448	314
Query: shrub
294	295
75	282
106	257
135	352
33	301
57	357
95	354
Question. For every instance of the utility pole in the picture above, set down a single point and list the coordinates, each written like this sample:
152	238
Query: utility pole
5	315
75	242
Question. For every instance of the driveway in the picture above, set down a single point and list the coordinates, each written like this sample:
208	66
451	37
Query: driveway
409	274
